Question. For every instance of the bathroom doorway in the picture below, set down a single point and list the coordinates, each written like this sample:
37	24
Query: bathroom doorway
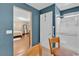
22	30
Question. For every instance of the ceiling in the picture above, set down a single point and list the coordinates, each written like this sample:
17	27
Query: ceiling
61	6
39	6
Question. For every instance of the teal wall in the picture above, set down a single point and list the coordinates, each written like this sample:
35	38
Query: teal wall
6	23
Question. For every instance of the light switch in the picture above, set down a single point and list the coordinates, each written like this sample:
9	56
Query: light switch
8	31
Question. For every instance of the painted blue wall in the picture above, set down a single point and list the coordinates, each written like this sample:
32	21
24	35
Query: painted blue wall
6	23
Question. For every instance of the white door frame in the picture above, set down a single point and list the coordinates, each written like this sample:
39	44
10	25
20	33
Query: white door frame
30	23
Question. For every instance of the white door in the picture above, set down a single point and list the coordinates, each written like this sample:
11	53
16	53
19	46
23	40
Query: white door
42	28
45	28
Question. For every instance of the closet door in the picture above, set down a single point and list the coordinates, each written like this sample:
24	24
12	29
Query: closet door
42	29
45	28
48	30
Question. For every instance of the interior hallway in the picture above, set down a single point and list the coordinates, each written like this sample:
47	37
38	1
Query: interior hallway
21	45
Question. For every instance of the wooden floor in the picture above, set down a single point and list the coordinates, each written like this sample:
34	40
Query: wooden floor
46	52
21	45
